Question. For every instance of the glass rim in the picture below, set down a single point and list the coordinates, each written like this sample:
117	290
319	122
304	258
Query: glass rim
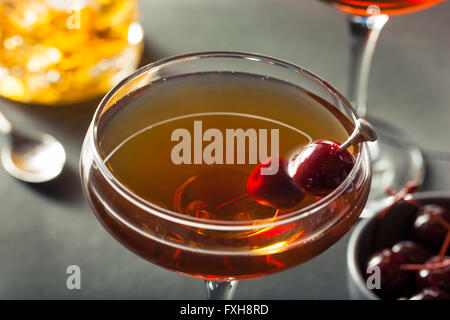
224	225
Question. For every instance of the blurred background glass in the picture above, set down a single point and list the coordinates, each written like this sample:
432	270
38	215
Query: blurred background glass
63	51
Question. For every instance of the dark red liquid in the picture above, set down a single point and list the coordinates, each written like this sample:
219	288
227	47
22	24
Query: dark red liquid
389	7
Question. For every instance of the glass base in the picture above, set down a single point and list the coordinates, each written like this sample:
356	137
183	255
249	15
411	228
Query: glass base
396	160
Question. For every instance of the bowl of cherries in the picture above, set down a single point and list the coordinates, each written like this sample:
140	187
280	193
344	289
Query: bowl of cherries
403	252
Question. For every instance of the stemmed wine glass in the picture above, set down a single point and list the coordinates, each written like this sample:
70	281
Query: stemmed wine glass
396	159
218	251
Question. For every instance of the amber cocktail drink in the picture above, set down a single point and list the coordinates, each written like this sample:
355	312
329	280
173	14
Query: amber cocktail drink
62	51
190	212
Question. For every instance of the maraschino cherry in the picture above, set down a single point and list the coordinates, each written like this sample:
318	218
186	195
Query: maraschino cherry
321	166
409	266
276	190
319	169
427	229
435	277
412	251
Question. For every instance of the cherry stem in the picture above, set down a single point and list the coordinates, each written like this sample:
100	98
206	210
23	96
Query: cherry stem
364	131
233	200
410	187
412	202
427	266
444	247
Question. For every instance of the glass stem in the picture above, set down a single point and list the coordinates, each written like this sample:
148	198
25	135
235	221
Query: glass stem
220	290
364	32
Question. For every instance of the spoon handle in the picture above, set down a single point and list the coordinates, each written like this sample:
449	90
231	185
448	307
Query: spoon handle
5	125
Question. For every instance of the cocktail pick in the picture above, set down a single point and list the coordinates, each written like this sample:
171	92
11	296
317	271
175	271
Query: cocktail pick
364	131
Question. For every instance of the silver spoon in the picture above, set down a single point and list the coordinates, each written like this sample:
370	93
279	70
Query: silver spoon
32	156
363	131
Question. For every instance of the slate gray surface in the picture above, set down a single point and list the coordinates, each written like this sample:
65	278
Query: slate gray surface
45	228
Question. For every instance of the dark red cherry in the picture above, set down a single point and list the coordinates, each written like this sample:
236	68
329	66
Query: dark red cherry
393	280
273	188
319	169
438	277
412	252
427	230
431	293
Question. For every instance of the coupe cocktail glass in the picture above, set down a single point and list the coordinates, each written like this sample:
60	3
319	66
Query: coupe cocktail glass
170	214
396	159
